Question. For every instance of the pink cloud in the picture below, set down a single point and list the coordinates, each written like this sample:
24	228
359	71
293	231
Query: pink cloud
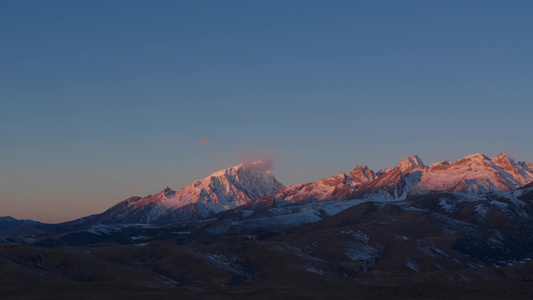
248	157
204	141
265	162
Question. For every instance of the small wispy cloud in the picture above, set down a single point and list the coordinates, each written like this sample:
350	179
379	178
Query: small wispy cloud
204	142
265	162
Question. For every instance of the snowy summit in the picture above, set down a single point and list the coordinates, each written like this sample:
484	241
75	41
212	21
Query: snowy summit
222	190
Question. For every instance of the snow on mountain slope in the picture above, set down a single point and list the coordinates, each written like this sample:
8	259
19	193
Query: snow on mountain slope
336	187
409	163
253	185
222	190
361	175
474	173
403	177
326	188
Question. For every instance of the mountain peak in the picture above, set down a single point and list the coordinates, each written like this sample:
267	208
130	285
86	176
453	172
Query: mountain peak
502	154
418	161
411	162
477	173
503	158
474	159
258	166
222	190
440	164
361	175
475	155
341	175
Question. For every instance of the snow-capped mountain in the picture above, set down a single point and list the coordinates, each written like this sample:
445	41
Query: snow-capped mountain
474	173
336	187
222	190
392	181
477	173
361	175
253	185
438	238
470	220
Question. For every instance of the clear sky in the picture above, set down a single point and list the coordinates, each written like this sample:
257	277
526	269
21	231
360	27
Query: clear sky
102	100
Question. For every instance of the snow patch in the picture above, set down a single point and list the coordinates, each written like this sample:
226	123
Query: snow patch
411	263
448	207
357	235
312	269
400	238
359	252
433	251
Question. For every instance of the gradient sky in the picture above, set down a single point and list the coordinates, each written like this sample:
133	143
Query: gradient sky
102	100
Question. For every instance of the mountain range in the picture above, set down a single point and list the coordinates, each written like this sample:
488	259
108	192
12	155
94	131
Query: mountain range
252	184
459	230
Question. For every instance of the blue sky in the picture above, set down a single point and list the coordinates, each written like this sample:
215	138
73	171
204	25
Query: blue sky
102	100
